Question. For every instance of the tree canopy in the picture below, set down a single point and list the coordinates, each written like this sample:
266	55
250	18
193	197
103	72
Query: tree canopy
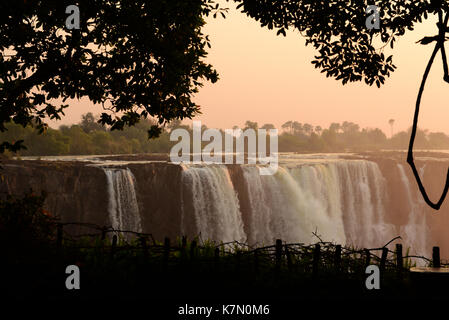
337	30
144	59
346	47
137	58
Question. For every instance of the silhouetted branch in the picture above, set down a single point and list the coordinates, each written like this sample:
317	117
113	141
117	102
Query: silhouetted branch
315	233
395	238
439	45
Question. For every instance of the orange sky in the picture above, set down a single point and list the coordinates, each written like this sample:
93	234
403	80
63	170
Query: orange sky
269	79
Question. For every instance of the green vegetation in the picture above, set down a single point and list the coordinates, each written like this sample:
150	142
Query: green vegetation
137	58
88	137
348	136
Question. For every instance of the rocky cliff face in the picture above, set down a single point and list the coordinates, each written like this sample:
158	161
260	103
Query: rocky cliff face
433	174
159	192
75	192
78	192
168	205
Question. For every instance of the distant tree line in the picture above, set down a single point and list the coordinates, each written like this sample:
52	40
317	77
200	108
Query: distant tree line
348	136
88	137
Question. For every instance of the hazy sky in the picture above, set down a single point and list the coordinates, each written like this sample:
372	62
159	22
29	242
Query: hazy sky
269	79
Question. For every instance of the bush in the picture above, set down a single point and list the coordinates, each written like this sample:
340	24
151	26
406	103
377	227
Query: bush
24	221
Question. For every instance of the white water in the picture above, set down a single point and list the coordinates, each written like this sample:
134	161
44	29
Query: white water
363	189
339	200
216	206
342	201
123	208
415	231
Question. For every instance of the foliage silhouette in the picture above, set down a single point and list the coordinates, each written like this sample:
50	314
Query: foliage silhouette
337	30
137	58
148	56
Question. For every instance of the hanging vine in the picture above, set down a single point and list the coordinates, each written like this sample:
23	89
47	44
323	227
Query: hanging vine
440	38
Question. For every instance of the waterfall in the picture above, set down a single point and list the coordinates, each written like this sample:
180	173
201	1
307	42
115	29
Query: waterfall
346	199
272	215
123	208
289	205
363	196
215	203
414	233
342	201
338	200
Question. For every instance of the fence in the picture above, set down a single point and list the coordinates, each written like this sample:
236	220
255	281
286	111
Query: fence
293	257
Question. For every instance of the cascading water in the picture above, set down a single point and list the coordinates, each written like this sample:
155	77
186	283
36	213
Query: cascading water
123	208
282	206
363	193
414	233
342	201
215	203
345	198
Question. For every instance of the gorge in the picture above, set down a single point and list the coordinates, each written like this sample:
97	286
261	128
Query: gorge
360	200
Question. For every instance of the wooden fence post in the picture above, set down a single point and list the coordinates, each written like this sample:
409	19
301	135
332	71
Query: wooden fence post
383	259
399	261
436	257
143	242
192	249
183	252
278	254
337	258
316	258
367	258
